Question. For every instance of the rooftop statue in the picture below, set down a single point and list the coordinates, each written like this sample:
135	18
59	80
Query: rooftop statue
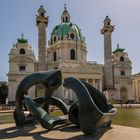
90	112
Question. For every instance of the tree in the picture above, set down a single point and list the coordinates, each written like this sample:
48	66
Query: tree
3	92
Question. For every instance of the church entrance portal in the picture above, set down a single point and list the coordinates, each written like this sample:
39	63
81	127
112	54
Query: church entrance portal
123	94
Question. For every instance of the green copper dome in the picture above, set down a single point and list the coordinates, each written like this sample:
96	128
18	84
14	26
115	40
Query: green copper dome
118	49
22	39
66	29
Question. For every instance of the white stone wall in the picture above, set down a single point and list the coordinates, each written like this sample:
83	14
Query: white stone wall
62	49
15	76
12	86
122	81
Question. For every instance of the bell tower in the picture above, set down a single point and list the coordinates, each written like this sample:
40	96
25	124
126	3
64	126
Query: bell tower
108	71
41	22
122	75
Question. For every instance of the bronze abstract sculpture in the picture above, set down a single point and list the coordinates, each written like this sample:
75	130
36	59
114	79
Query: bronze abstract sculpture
90	112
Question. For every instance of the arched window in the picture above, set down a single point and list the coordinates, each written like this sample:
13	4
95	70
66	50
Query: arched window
56	27
108	23
63	19
66	19
121	58
67	35
22	51
72	36
54	56
122	73
54	39
72	54
42	14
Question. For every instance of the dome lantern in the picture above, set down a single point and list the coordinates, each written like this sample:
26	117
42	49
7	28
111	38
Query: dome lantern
65	15
66	30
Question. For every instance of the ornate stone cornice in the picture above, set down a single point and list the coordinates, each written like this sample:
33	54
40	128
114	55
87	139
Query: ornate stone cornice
41	20
20	59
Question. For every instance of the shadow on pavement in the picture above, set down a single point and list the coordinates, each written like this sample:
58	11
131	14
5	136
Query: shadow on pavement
25	132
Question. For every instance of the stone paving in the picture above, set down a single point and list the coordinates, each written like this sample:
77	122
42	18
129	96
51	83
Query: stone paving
66	132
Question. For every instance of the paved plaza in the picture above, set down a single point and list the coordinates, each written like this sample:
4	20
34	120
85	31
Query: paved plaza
66	132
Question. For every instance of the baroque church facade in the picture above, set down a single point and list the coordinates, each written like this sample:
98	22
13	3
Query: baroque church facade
67	51
136	87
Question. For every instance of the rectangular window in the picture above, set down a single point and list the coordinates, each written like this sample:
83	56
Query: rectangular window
22	68
122	73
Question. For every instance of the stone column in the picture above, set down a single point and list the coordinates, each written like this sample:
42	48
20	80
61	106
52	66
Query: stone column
108	71
42	22
100	85
94	82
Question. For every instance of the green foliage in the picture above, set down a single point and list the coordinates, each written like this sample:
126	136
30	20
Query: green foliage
3	92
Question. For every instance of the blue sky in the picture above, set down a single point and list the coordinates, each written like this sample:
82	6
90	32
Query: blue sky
18	16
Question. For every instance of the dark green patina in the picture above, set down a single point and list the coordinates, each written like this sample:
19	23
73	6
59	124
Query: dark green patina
64	29
93	110
90	112
22	40
51	80
118	49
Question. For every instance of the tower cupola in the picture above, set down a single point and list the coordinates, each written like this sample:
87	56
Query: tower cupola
107	26
65	15
66	30
22	39
41	17
41	11
107	21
